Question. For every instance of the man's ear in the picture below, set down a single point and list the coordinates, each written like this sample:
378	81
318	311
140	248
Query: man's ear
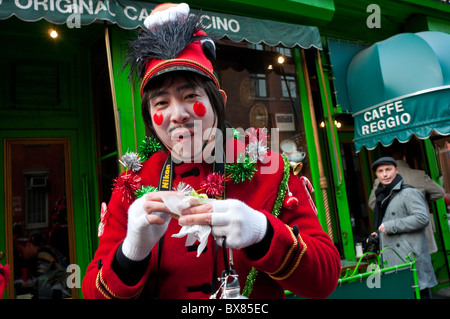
224	95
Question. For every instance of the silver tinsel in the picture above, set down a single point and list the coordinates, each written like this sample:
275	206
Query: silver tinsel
184	188
257	150
131	160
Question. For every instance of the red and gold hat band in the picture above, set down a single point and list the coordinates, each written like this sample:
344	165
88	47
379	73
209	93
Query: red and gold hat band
174	65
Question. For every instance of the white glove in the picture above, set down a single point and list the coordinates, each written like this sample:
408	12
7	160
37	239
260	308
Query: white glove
242	225
141	235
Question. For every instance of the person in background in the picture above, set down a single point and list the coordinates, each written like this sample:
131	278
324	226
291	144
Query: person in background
401	215
420	180
43	272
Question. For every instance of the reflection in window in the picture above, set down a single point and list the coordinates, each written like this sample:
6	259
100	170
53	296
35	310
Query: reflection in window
259	82
285	51
289	87
36	199
258	47
262	92
38	178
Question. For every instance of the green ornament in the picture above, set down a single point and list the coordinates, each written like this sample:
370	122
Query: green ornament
243	170
236	134
144	190
149	146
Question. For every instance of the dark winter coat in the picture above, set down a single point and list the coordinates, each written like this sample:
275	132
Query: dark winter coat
405	220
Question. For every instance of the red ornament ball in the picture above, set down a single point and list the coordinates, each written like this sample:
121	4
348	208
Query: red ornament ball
291	202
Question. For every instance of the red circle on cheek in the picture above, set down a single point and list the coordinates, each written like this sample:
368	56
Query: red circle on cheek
158	118
199	109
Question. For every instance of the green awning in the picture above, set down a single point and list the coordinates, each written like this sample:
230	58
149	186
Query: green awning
131	14
399	87
420	113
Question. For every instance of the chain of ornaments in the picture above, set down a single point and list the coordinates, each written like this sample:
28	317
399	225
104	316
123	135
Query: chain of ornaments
243	170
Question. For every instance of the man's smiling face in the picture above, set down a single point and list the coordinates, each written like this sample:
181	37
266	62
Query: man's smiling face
182	117
386	173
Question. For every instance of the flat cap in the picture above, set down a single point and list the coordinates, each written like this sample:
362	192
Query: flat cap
383	160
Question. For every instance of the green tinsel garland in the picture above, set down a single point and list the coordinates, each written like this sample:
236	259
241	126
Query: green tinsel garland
275	212
241	171
144	190
149	146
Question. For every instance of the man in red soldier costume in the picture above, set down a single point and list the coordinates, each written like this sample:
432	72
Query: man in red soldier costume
257	208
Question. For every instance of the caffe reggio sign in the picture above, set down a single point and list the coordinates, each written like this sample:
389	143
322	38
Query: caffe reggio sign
131	15
386	116
420	113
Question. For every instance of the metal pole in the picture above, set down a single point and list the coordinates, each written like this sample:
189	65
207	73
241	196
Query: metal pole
113	94
323	178
330	120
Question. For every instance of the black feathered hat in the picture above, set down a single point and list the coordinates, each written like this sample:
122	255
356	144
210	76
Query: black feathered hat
173	41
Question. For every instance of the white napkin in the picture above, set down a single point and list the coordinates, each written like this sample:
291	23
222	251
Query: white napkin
176	205
194	233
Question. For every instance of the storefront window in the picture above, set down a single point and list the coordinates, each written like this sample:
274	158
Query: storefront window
262	92
39	218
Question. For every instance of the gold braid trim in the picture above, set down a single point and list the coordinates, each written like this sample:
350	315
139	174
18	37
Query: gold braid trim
294	267
108	294
100	289
288	255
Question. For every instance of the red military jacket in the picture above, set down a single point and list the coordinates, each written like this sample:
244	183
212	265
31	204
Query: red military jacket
303	261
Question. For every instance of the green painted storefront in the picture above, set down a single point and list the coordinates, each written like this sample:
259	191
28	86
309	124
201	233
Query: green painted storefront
60	92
